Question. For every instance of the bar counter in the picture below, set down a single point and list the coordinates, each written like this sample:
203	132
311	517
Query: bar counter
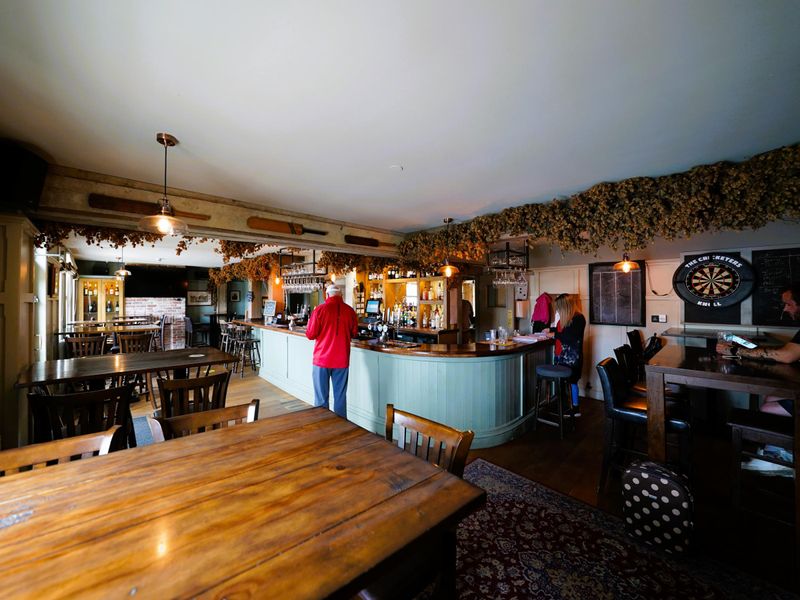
487	388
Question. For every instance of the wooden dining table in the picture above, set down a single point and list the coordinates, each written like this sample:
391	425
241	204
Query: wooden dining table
700	367
68	370
304	505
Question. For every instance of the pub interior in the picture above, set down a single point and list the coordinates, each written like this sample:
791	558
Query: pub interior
570	238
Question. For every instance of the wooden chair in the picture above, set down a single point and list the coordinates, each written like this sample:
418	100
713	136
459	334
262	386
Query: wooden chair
37	456
439	444
199	422
753	427
432	558
135	342
184	396
63	416
85	345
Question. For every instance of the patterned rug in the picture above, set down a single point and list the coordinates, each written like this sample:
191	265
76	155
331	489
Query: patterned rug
532	542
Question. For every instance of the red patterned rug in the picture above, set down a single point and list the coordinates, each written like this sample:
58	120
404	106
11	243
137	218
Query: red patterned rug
532	542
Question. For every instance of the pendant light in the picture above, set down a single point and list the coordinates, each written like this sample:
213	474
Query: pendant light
447	269
626	265
165	222
122	272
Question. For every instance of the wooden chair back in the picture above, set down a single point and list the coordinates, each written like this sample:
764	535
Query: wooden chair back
198	422
37	456
184	396
438	444
63	416
85	345
135	342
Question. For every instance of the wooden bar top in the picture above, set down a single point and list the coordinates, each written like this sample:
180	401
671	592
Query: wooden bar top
699	362
97	367
304	505
427	350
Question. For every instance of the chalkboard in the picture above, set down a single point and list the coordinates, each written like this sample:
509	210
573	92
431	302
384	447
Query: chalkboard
616	298
775	271
729	315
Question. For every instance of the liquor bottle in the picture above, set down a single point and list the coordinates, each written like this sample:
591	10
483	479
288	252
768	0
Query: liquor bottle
108	306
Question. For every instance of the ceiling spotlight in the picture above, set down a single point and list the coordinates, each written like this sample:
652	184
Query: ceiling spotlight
165	222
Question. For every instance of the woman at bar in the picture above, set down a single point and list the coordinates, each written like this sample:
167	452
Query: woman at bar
570	325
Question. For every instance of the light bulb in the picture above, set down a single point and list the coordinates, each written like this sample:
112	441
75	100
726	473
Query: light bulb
277	280
626	267
448	271
164	226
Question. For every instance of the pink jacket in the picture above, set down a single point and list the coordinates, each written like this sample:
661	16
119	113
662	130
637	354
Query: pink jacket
543	309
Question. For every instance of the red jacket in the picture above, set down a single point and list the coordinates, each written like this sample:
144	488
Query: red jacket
332	325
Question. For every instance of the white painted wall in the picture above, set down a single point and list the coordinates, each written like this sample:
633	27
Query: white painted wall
572	276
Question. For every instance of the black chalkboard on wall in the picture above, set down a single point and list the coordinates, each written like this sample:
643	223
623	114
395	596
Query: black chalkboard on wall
775	270
616	298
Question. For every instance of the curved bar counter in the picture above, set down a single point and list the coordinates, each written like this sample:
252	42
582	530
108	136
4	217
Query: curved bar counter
484	387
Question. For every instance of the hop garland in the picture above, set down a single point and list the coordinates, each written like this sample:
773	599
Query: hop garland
633	212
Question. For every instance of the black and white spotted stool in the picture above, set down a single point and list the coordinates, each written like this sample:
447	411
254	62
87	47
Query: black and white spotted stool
658	506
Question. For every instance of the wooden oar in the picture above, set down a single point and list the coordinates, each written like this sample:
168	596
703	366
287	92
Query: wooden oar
137	207
281	226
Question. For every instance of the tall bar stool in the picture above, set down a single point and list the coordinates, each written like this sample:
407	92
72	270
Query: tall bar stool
557	376
246	349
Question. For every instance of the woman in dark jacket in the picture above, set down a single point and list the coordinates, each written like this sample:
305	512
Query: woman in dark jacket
569	338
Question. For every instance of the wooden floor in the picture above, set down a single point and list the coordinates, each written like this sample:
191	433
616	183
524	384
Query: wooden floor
572	466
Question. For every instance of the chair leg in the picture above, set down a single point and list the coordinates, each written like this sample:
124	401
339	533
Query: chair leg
608	442
536	400
560	402
736	469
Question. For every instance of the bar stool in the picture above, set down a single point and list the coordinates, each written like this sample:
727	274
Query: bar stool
247	352
557	375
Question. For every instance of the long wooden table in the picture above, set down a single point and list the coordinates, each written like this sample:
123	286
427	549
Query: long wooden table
305	505
107	329
704	368
99	367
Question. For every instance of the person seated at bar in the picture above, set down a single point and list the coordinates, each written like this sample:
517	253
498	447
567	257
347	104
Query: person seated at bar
570	325
788	353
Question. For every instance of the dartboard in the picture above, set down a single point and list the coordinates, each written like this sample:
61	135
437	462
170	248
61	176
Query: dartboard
714	280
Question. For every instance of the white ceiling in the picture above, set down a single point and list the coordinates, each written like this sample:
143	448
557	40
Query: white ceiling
199	254
485	104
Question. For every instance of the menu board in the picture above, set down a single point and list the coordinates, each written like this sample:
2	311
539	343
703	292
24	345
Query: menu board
775	271
616	298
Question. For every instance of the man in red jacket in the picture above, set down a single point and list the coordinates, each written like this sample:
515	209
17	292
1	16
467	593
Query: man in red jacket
332	325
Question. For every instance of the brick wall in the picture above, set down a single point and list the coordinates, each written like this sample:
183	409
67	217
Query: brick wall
174	308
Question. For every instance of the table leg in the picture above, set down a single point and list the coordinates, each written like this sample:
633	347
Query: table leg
656	417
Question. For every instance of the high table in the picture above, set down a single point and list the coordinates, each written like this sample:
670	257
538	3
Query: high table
305	505
99	367
709	336
703	368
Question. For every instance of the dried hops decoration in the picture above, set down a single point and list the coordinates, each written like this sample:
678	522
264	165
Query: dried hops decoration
633	212
628	214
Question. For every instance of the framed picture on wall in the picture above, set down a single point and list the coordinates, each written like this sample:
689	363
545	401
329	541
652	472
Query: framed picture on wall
234	296
198	298
616	298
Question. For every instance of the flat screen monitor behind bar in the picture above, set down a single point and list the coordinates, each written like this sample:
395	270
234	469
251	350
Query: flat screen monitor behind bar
373	307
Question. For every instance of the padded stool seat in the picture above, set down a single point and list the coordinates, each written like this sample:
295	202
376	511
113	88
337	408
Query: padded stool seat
553	371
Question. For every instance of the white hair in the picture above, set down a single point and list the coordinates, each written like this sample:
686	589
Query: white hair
333	290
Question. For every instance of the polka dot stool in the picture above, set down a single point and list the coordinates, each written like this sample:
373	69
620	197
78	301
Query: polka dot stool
658	507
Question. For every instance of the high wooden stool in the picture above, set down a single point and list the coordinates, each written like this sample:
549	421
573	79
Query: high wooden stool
557	376
247	353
